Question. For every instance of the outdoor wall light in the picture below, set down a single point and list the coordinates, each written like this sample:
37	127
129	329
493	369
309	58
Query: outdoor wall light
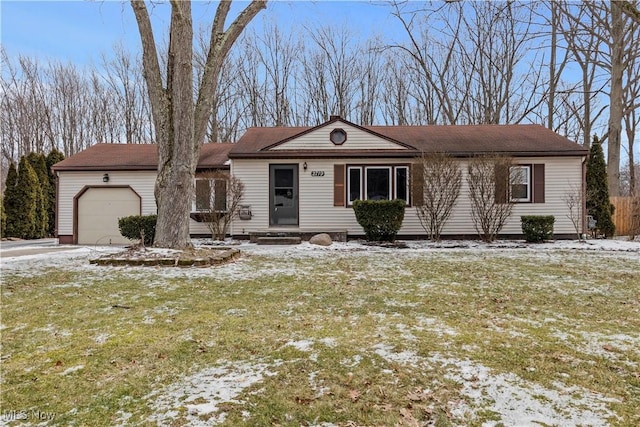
304	166
105	177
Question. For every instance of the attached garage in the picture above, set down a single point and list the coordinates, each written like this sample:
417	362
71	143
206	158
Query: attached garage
98	210
97	186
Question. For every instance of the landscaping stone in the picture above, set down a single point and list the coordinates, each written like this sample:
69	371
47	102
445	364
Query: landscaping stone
202	258
322	239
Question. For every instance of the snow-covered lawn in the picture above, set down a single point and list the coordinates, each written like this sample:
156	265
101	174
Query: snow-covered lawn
454	333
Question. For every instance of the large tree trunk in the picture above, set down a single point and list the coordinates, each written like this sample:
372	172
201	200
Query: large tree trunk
179	123
616	108
177	159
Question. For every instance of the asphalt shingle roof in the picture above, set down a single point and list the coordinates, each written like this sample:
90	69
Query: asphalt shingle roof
136	157
457	140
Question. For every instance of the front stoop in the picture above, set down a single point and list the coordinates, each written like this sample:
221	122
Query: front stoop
278	240
255	236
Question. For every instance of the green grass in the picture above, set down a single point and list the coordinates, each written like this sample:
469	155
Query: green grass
99	345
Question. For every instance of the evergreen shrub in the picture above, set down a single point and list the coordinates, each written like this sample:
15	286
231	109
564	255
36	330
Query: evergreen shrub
28	194
598	203
537	228
52	158
11	203
133	226
380	219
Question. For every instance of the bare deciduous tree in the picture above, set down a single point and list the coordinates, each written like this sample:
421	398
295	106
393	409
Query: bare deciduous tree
488	180
330	74
180	124
127	89
437	187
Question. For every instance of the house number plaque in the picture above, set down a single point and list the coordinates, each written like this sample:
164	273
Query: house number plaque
317	173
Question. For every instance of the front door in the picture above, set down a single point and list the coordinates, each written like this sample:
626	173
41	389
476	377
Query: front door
283	195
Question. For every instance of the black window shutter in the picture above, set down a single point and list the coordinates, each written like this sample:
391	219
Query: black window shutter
338	185
417	184
538	183
502	183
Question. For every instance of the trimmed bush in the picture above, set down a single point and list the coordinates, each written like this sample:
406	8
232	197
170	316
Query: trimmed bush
380	219
537	228
133	226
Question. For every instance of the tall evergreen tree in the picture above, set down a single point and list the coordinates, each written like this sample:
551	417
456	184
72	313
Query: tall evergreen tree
53	157
27	193
10	203
598	204
3	218
39	165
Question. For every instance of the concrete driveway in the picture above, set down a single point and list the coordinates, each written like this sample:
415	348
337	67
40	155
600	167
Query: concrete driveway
31	247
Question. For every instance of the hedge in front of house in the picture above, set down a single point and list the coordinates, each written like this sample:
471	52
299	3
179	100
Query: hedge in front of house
537	228
132	227
380	219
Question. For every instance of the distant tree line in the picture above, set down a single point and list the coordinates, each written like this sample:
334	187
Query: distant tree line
571	66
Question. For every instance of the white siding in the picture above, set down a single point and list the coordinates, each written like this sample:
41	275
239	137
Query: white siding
318	213
142	182
71	183
357	139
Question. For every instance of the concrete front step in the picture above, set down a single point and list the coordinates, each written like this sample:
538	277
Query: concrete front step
276	240
336	235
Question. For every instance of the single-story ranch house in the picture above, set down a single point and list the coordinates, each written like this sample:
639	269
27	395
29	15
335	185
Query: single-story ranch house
303	180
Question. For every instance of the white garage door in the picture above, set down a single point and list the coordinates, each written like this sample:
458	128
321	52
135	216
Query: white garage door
98	213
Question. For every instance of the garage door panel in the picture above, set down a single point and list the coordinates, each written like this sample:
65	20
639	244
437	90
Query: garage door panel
98	213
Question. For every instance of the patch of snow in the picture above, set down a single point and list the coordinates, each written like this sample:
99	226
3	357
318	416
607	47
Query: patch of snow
76	258
52	329
435	325
302	345
405	333
518	402
198	396
403	357
351	361
329	342
148	320
239	312
613	347
72	370
102	338
123	418
315	386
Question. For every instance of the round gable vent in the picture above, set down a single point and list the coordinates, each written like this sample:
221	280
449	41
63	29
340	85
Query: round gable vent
338	136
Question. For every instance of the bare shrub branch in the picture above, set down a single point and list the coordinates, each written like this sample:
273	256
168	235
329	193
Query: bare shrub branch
440	188
573	200
488	179
221	208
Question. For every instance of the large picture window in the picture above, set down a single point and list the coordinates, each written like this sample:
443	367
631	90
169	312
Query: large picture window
377	183
520	183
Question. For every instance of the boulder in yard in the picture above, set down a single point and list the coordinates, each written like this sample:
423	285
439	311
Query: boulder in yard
322	239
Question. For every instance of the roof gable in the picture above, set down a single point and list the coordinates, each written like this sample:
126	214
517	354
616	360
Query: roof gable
337	134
